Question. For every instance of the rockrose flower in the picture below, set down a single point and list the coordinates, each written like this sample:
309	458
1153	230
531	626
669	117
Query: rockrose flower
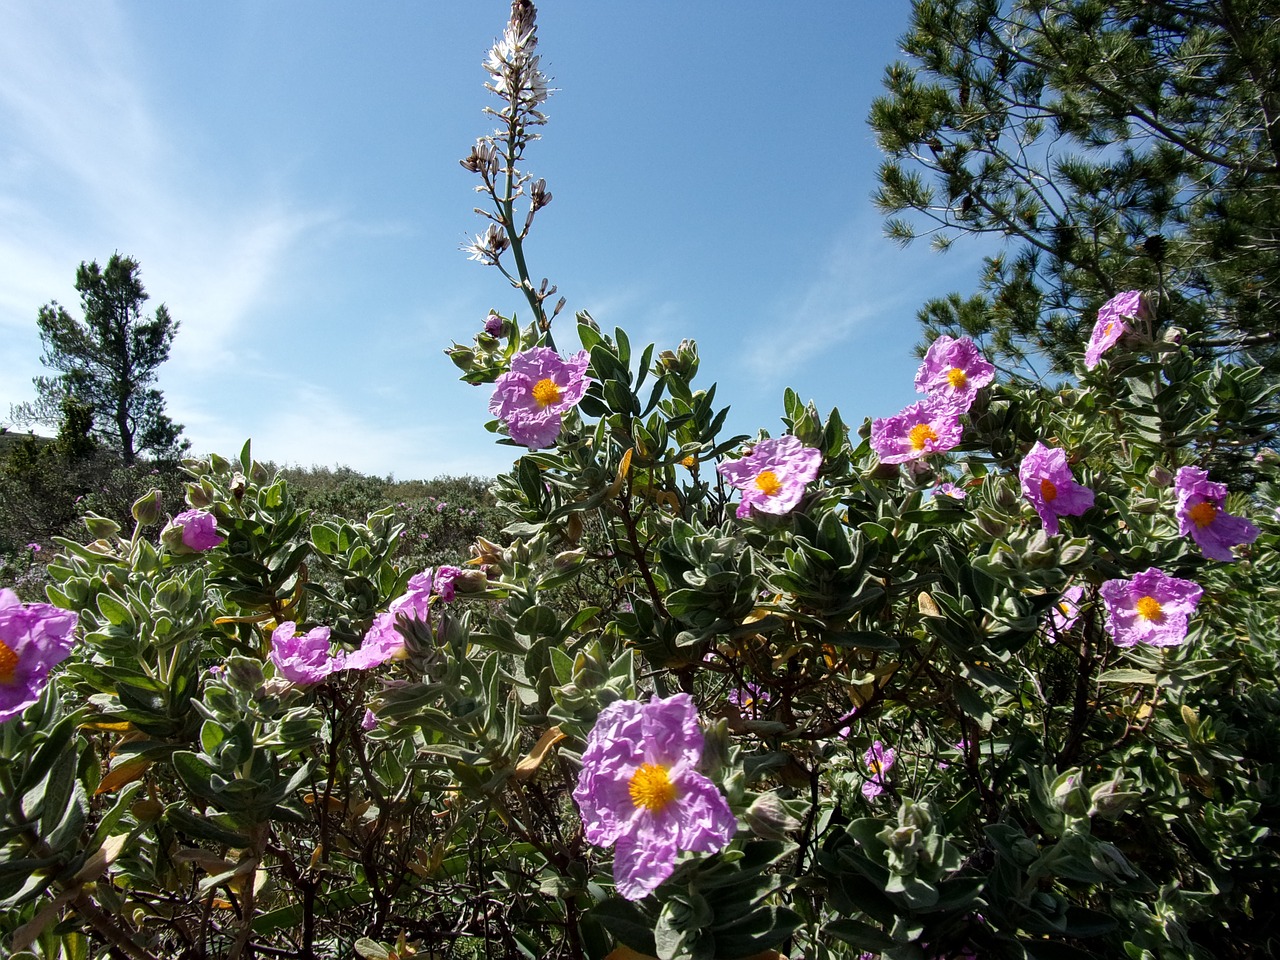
34	638
191	532
305	658
1111	325
1200	515
949	489
773	475
747	698
384	641
879	760
1066	611
930	426
954	371
640	791
1152	608
533	395
1048	484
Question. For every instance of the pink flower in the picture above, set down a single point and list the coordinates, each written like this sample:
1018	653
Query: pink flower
33	547
949	489
1111	324
1066	611
1048	484
773	475
302	659
879	760
1152	608
384	641
930	426
533	395
34	638
369	720
954	371
192	531
641	793
1200	515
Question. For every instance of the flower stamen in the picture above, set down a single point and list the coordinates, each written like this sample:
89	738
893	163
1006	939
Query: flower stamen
920	435
1149	608
651	788
8	663
957	378
768	482
546	391
1203	513
1048	490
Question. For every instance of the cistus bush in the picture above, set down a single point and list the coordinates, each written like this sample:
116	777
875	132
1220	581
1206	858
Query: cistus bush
993	677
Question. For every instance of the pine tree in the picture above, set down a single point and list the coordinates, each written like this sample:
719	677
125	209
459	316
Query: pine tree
108	363
1107	146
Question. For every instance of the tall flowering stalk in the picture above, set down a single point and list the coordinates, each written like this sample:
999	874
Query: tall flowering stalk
516	79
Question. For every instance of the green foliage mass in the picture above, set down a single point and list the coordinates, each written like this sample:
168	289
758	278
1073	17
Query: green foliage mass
178	791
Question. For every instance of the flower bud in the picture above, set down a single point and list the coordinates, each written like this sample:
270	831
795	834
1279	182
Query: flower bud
1160	475
238	485
769	819
463	357
101	528
568	560
471	581
147	509
199	495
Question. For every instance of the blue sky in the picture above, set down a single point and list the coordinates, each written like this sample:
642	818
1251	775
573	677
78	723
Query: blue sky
287	175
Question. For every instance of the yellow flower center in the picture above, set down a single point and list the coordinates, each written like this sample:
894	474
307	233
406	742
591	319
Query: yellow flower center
768	482
8	663
874	766
1149	608
689	462
957	378
1203	513
1106	331
546	391
1048	491
651	788
919	435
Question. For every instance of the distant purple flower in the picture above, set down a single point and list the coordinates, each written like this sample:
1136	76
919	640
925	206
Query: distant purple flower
746	699
1111	325
1066	611
879	760
493	325
33	639
199	530
440	506
640	791
949	489
930	426
1152	608
954	370
302	659
533	395
1200	515
33	547
1047	482
773	475
369	720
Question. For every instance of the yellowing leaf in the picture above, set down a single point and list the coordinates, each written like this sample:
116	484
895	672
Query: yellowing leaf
121	774
532	760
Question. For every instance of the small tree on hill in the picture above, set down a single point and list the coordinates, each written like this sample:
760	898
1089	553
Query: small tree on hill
108	362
